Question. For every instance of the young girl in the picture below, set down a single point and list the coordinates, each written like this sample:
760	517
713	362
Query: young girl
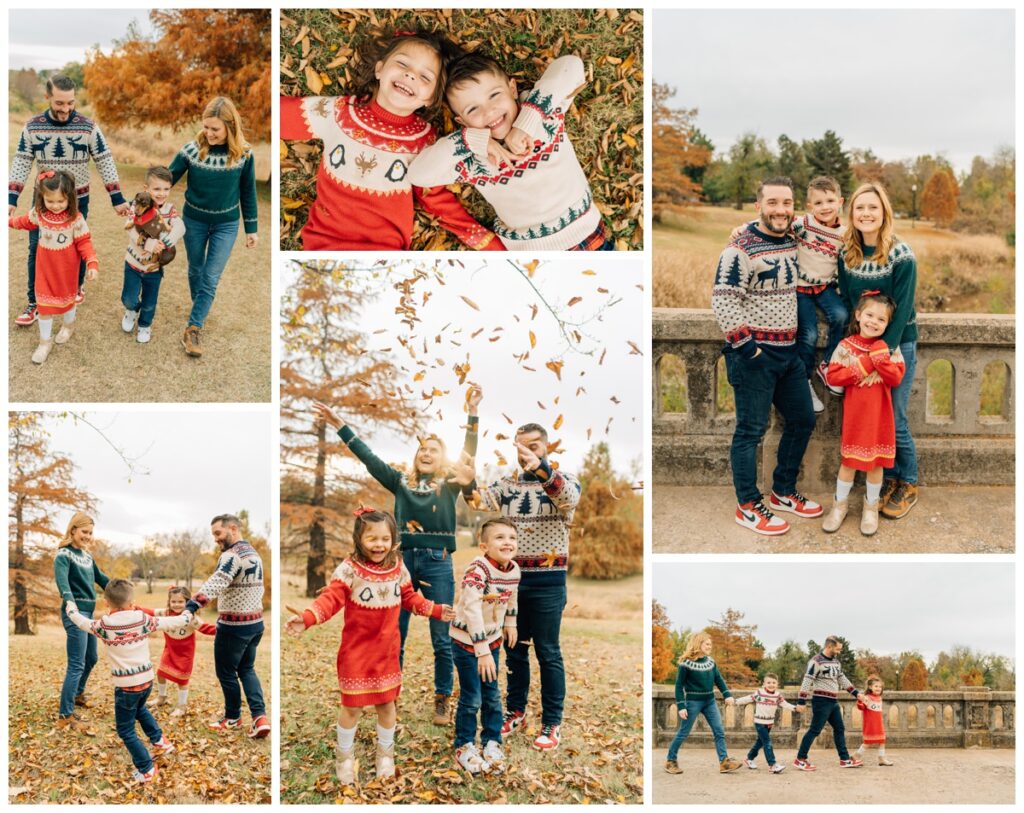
870	703
221	188
363	198
863	365
179	651
425	513
695	694
64	242
371	586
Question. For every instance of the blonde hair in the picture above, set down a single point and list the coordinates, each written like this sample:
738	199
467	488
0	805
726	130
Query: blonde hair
853	242
224	109
443	466
692	651
79	520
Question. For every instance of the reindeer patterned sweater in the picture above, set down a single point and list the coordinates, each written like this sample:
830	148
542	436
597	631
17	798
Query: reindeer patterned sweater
754	295
824	678
543	201
66	145
364	192
487	604
237	584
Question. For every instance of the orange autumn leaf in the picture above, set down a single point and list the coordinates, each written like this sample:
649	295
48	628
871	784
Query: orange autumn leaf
556	368
469	302
558	423
589	273
531	267
413	526
575	301
533	340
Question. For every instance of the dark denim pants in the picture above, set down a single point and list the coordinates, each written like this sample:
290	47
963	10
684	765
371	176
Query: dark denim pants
764	740
476	696
432	574
139	292
33	245
905	465
130	707
825	710
234	658
776	377
694	708
836	315
81	654
208	247
539	620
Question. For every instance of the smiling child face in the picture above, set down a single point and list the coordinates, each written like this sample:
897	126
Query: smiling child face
176	603
407	78
487	101
499	542
873	319
825	205
376	541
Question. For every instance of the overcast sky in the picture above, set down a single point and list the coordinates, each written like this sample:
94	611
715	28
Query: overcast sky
885	607
50	38
903	83
501	293
200	464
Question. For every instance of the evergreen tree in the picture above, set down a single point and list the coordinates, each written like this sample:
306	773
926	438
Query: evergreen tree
825	156
735	272
793	165
58	148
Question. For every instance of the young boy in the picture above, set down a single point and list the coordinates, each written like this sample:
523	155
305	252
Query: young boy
534	181
124	632
766	702
870	704
141	281
485	613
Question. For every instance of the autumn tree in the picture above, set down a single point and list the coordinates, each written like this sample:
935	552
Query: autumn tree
676	150
737	651
149	558
40	483
663	665
938	202
868	663
195	55
793	165
186	548
914	677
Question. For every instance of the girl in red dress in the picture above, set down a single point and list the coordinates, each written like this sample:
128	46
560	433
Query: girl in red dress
179	652
63	243
863	365
372	586
870	704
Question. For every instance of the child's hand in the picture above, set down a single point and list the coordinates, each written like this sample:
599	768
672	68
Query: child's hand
486	668
447	613
295	625
511	636
194	623
92	272
682	714
518	141
327	415
11	210
870	379
465	470
250	240
799	709
498	156
153	246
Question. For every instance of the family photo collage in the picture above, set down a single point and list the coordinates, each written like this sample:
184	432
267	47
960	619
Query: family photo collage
340	472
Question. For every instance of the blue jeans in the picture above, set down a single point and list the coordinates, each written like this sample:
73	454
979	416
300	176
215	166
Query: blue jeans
476	696
764	740
825	710
81	653
208	246
774	377
33	244
139	293
432	574
539	620
709	708
129	707
836	315
234	658
905	465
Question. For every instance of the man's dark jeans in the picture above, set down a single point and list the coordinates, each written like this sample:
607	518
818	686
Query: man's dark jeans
234	658
539	620
825	710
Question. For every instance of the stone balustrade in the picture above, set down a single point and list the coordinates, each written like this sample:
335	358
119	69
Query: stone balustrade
966	718
691	447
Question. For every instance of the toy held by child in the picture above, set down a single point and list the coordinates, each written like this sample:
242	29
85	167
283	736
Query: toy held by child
371	586
767	701
870	704
64	242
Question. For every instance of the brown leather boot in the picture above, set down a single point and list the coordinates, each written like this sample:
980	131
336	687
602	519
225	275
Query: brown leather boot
76	724
190	341
83	702
442	714
902	500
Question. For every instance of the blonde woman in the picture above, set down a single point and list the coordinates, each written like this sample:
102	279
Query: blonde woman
873	258
425	515
696	680
221	186
76	573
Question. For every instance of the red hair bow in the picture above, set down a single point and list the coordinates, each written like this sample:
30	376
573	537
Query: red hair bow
363	510
405	33
47	174
870	293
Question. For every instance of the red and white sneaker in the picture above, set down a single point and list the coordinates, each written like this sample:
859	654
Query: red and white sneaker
224	724
162	748
548	739
853	762
147	777
751	763
512	721
756	516
260	727
796	503
822	372
804	765
27	317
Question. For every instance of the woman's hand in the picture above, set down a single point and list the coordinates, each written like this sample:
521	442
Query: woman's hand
328	416
730	701
474	395
464	469
682	714
251	240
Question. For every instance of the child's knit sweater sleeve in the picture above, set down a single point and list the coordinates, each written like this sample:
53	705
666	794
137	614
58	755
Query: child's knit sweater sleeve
176	223
208	629
22	223
333	598
846	369
436	165
562	80
247	195
104	159
442	204
83	243
86	624
729	299
890	367
294	126
165	622
21	168
388	477
681	687
750	698
414	603
904	281
784	703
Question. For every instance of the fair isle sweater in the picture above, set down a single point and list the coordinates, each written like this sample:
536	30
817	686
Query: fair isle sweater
137	257
75	572
824	679
696	680
364	191
896	278
542	505
125	637
817	252
754	295
237	584
543	201
218	188
766	705
68	146
487	604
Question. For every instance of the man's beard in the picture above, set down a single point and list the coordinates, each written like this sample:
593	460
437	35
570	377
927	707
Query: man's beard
767	224
61	115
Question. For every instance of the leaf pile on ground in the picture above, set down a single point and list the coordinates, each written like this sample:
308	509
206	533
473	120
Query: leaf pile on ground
323	50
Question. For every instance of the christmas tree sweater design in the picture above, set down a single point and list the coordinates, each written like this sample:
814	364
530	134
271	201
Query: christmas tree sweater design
487	604
237	584
824	678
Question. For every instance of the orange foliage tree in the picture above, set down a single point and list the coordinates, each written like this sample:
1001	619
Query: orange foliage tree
196	55
662	662
675	150
939	199
736	650
914	677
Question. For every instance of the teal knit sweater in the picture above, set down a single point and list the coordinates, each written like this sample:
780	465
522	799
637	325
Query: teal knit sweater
216	187
75	572
696	680
425	514
896	278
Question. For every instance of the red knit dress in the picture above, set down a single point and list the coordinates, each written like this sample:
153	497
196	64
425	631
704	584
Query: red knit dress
363	198
369	672
63	243
869	429
180	651
874	725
